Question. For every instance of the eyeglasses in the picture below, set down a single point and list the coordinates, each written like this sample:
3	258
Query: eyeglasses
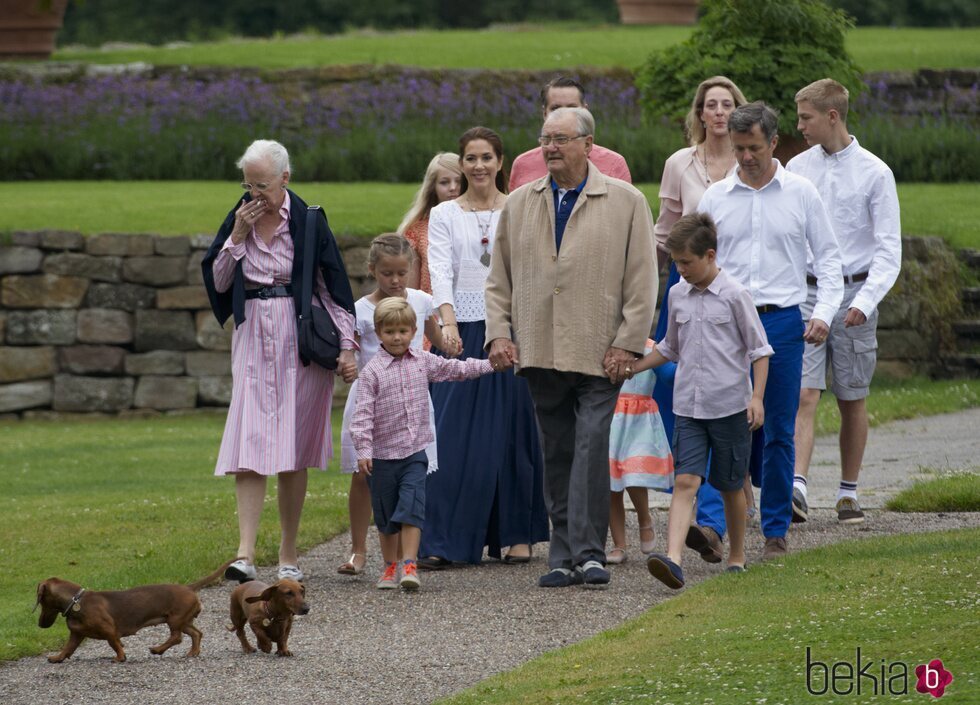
557	140
258	187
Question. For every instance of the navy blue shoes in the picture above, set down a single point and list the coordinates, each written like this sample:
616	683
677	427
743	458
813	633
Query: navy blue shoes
559	578
665	570
591	574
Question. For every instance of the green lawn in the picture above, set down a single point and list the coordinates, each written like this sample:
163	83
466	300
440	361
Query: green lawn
743	639
948	492
112	504
526	47
368	208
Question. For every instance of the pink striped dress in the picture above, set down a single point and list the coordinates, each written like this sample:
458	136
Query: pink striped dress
279	418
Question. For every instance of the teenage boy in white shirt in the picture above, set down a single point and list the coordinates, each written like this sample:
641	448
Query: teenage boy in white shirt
859	192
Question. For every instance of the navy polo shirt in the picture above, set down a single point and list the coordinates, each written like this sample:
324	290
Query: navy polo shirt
563	208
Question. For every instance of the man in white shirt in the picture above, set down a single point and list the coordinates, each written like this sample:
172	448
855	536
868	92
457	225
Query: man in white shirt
767	221
859	192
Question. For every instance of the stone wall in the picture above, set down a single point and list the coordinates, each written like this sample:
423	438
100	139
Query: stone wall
120	323
112	323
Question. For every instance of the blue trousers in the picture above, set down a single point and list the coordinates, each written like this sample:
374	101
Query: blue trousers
773	448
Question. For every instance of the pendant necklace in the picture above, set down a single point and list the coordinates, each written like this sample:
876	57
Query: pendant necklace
707	174
484	228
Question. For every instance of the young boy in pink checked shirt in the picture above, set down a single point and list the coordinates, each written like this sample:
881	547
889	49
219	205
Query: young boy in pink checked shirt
714	333
390	430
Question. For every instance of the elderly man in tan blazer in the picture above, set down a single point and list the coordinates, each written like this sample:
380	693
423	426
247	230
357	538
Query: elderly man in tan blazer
570	300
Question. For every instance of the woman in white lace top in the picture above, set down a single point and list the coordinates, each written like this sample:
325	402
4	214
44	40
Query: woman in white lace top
491	494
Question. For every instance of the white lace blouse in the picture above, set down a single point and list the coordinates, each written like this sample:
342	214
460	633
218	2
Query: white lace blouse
455	250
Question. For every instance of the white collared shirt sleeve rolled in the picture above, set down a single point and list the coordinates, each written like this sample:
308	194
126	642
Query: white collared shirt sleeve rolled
883	210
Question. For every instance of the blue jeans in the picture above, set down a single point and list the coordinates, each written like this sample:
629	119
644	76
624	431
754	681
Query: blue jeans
773	448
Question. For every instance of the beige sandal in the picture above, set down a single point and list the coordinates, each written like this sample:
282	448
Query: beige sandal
650	546
350	567
616	556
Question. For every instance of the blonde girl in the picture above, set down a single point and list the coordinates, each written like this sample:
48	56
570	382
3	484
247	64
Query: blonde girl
442	182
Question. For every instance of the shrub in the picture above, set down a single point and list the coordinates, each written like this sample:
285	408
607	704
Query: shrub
770	48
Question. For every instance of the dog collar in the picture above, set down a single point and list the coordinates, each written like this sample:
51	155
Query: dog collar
269	619
74	602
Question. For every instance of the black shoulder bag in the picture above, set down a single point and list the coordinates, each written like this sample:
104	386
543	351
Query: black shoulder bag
316	334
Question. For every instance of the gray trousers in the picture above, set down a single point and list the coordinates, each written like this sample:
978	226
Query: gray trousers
574	414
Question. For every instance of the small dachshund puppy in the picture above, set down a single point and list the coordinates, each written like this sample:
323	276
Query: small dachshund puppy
112	614
269	611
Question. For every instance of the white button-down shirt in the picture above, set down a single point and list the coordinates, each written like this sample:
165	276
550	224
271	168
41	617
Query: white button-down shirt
859	192
763	236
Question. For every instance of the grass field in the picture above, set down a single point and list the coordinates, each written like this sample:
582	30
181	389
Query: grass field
368	208
743	639
112	504
947	492
525	47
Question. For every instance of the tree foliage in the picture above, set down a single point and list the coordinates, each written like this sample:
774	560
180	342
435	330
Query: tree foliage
769	48
912	13
95	22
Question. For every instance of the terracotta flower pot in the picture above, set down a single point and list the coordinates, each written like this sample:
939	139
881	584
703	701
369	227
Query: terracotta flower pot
28	28
658	11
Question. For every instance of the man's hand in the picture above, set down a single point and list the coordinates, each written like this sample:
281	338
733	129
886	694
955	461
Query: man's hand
618	364
816	331
365	466
854	317
347	366
503	353
756	413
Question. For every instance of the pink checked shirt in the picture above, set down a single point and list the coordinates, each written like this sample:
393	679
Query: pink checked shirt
391	420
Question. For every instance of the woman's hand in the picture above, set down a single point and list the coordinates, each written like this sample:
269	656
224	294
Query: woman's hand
245	218
347	366
365	466
451	340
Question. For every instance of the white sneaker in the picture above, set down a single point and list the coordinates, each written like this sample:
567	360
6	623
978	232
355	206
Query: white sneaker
290	572
241	571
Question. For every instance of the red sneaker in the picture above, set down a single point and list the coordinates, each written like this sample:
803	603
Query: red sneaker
410	576
389	579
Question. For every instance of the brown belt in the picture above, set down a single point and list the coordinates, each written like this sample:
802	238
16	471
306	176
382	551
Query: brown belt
848	278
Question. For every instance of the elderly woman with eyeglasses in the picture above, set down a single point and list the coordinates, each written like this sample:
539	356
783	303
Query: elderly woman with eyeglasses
279	418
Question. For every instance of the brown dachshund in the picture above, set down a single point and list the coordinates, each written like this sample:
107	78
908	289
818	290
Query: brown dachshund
112	614
269	611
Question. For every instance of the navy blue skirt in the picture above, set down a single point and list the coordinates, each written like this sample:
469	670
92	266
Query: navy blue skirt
663	391
488	491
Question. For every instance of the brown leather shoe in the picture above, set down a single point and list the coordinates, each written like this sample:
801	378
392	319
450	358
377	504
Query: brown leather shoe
705	541
775	548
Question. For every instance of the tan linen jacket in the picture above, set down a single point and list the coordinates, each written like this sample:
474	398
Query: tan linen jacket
565	309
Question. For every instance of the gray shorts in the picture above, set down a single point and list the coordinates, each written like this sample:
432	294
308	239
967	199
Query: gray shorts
848	354
729	441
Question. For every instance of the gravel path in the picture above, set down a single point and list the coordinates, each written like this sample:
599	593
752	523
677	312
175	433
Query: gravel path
465	624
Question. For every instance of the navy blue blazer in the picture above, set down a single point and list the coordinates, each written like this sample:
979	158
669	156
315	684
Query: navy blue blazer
331	264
